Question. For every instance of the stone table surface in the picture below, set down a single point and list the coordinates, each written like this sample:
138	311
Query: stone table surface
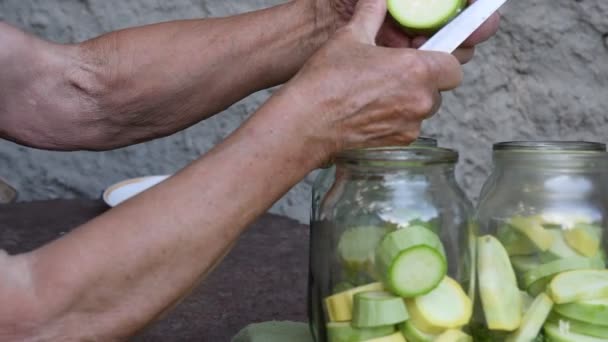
264	278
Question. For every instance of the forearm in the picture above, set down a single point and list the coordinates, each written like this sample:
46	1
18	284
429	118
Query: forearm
142	83
119	271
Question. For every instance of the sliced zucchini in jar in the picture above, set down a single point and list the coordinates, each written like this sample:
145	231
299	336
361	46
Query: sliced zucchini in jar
561	265
533	320
396	337
377	309
556	333
340	306
454	336
575	286
589	311
500	296
584	238
413	334
446	307
579	327
533	229
345	332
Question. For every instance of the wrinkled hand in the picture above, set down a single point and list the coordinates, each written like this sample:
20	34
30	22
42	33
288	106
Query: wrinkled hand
391	35
354	94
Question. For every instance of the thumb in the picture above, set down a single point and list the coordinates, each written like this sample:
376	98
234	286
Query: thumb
368	18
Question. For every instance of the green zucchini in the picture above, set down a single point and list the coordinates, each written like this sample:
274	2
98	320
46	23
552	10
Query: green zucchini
396	337
575	286
556	333
590	311
377	309
340	306
559	249
422	15
539	286
345	332
533	229
533	320
579	327
500	296
526	302
412	260
584	238
561	265
514	242
413	334
446	307
453	335
357	247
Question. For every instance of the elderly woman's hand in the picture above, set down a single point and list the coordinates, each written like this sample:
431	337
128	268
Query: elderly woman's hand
354	94
391	35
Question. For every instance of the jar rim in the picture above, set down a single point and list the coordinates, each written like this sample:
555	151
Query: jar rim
400	154
550	146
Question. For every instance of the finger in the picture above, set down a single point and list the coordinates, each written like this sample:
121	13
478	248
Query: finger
444	69
484	32
437	101
368	18
391	35
464	55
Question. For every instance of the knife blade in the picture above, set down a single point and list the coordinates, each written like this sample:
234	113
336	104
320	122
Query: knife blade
451	36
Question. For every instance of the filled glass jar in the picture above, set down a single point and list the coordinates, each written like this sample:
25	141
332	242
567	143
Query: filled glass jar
390	257
541	244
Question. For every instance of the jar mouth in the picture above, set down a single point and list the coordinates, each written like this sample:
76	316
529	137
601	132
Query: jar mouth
399	155
550	146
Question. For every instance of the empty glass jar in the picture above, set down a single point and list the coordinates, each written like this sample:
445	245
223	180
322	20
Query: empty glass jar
389	253
541	244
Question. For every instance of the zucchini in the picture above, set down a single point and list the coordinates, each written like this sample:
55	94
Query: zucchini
357	246
556	333
579	285
525	263
533	229
396	337
412	260
500	296
579	327
514	242
446	307
454	336
584	239
340	306
413	334
526	302
561	265
590	311
533	320
422	15
345	332
559	249
377	309
539	286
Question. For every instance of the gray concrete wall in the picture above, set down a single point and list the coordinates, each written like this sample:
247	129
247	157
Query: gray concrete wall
544	76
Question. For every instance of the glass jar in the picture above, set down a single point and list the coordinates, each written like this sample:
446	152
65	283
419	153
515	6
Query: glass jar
542	219
391	216
325	178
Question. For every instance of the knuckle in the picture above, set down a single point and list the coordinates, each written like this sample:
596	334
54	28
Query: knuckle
418	67
424	104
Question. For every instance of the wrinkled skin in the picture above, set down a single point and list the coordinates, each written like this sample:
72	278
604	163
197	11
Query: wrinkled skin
391	34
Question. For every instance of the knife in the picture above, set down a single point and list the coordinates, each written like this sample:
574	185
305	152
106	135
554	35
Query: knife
451	36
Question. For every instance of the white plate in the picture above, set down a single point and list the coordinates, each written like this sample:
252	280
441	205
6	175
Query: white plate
124	190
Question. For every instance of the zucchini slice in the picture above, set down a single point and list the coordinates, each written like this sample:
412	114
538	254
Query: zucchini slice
340	306
533	229
446	307
579	327
412	260
396	337
424	15
454	336
533	320
413	334
584	239
556	333
561	265
590	311
357	246
575	286
377	309
345	332
500	296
